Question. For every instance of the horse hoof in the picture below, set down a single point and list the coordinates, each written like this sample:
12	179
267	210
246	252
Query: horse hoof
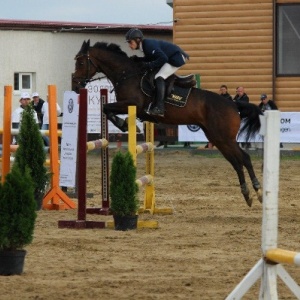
259	195
249	201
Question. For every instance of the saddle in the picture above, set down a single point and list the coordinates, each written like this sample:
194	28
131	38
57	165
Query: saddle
178	88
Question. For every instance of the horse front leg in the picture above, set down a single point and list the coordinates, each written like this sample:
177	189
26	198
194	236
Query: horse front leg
112	109
117	121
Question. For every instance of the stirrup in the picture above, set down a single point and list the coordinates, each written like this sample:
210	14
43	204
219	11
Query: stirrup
155	111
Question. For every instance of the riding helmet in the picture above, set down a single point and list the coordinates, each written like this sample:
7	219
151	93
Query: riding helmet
133	34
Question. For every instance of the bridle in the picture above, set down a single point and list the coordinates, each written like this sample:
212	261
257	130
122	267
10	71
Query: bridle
82	81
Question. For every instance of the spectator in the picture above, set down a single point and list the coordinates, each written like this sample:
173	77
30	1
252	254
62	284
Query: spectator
45	112
224	92
266	104
37	104
241	96
17	113
16	117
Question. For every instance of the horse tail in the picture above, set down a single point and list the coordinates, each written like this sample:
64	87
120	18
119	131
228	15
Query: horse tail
249	114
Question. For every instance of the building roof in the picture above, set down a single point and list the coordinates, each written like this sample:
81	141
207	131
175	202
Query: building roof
76	26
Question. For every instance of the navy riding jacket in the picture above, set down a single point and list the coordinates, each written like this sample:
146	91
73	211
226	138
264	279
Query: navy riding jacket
158	52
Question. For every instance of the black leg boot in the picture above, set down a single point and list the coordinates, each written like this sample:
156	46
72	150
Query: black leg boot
159	108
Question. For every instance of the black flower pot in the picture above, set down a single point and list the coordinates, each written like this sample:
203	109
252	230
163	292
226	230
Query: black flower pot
125	222
12	262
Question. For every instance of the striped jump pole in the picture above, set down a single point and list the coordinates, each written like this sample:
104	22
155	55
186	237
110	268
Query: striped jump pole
83	147
269	266
103	145
148	148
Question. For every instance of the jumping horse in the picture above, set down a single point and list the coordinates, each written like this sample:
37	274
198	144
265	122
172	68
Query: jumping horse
219	118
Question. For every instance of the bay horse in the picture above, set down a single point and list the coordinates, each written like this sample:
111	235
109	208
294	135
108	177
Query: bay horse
219	118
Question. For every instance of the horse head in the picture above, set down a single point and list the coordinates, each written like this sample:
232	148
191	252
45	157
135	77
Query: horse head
84	69
106	58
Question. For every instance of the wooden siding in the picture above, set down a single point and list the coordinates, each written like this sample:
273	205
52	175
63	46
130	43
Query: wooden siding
231	42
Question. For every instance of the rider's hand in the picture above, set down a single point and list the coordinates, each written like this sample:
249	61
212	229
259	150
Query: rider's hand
136	58
146	66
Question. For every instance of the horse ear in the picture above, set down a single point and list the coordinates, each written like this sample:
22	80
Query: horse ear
85	46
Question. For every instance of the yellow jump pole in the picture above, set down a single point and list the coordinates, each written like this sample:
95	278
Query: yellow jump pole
283	256
57	198
6	136
132	132
149	201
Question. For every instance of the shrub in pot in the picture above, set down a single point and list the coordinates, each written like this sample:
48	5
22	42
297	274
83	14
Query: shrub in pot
17	219
124	191
31	153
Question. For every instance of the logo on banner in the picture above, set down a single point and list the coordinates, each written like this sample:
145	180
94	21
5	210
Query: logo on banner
193	128
70	105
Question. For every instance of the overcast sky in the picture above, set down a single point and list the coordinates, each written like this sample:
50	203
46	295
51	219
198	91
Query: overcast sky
143	12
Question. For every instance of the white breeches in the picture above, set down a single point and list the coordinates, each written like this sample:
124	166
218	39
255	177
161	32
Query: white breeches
165	71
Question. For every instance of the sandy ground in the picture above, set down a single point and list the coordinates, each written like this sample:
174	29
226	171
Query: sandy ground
201	251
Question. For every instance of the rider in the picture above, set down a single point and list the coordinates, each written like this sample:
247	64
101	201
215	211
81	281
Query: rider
161	55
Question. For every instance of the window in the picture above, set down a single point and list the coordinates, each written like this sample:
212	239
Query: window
23	82
288	40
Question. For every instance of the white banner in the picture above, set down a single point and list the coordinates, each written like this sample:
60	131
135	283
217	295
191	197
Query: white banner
68	154
289	130
94	107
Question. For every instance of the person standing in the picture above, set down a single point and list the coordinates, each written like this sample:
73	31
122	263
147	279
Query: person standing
16	117
224	92
161	55
241	96
267	104
45	112
37	104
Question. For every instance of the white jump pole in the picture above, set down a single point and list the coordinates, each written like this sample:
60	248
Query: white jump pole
268	267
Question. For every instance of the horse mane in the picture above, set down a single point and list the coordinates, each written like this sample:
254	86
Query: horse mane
110	47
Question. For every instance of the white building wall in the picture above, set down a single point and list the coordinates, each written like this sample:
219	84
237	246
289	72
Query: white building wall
49	55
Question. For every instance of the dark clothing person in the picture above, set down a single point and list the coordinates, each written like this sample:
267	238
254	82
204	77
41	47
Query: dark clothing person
226	96
266	104
224	93
241	96
37	104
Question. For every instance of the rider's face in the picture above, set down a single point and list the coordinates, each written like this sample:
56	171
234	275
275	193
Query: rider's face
133	45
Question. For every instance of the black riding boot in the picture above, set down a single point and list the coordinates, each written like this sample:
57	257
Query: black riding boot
159	108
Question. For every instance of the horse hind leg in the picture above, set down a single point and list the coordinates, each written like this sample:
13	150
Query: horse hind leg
232	154
255	183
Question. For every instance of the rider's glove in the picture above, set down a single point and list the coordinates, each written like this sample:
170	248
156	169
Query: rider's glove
136	58
146	66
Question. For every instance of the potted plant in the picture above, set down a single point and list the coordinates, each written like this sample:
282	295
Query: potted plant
17	219
124	191
31	153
